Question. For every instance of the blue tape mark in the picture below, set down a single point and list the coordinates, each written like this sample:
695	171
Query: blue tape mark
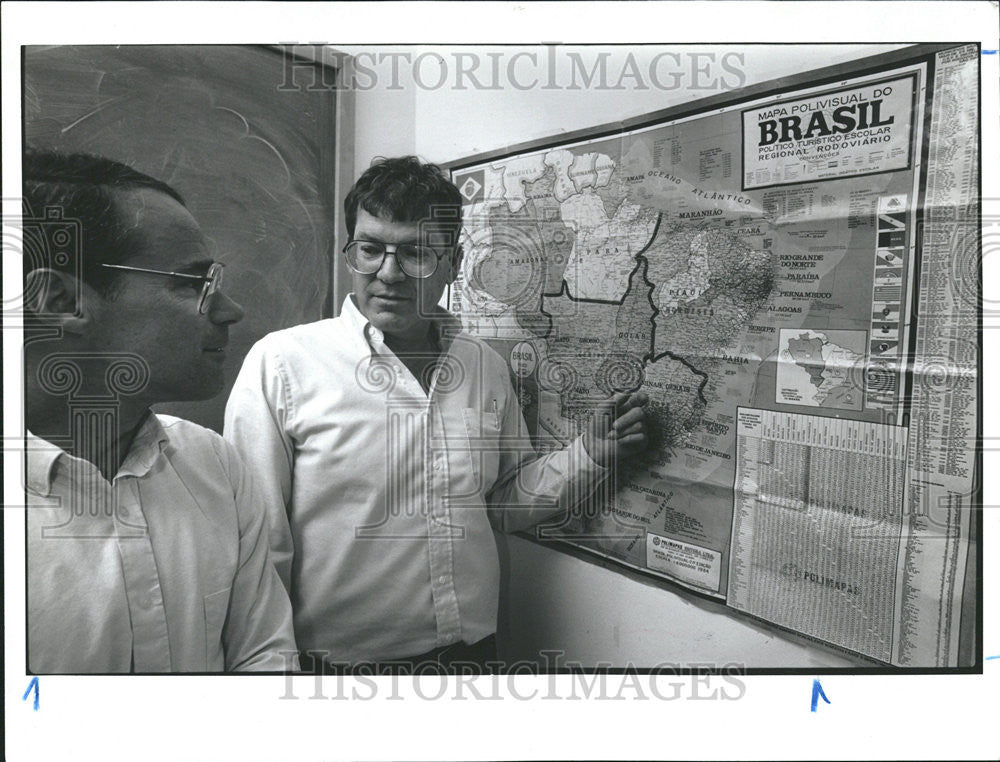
993	657
32	684
989	52
817	692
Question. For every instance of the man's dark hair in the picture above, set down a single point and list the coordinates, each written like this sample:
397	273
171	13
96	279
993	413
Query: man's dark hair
80	189
404	189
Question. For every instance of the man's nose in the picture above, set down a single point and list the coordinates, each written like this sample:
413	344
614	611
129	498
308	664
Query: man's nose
223	310
390	271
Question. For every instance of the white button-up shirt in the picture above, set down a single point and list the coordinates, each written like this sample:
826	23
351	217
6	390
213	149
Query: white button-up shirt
164	569
382	495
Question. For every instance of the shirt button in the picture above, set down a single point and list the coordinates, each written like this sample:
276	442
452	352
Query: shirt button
145	601
442	579
123	511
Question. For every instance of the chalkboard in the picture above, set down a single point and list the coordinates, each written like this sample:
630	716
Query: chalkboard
253	159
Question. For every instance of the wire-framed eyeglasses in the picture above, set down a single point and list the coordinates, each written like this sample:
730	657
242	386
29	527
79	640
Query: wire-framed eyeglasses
417	261
212	280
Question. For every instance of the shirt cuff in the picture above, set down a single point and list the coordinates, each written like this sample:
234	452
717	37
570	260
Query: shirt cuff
588	469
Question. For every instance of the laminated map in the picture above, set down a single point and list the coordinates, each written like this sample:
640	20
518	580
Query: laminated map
790	274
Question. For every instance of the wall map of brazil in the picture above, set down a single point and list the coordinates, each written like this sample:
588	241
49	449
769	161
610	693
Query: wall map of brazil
754	270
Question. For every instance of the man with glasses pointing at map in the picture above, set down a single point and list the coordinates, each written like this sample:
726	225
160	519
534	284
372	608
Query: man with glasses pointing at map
390	443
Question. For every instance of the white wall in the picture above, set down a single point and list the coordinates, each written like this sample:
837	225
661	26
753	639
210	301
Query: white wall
552	600
594	612
384	114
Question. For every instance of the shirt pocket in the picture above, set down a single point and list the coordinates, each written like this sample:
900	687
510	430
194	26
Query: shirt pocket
483	430
216	608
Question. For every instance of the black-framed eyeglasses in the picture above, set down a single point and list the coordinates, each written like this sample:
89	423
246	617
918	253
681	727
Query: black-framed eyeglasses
212	280
417	261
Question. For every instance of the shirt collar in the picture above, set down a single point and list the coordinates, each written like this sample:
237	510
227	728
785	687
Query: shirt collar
42	455
147	445
444	326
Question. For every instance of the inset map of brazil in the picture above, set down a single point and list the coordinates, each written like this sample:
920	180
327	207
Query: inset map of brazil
821	369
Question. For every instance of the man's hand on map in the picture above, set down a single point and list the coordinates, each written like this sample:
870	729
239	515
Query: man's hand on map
618	428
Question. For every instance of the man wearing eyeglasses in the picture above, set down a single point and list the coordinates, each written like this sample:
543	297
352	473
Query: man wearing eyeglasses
147	544
390	443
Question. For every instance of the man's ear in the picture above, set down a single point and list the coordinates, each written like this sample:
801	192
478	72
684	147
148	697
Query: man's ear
58	298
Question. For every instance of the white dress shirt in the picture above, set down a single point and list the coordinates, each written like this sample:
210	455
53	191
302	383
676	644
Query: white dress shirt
165	569
382	495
